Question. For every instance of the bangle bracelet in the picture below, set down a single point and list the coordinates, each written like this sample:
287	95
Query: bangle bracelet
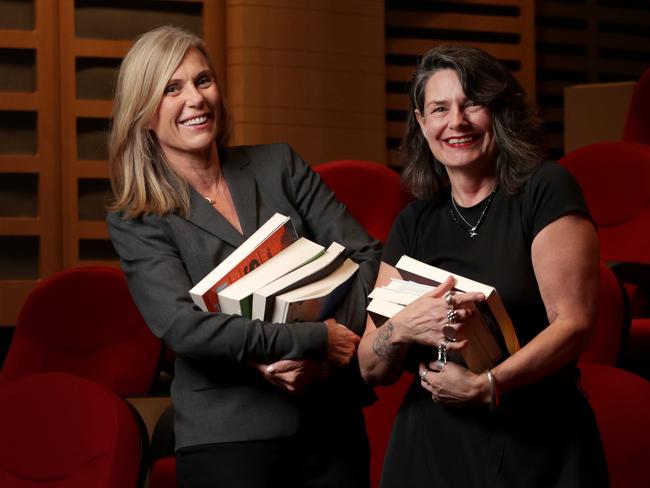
494	392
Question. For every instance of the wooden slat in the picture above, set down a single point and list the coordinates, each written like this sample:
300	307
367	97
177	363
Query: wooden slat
18	39
20	101
93	108
98	48
20	226
474	23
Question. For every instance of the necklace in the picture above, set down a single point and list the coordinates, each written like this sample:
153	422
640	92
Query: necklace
210	200
471	228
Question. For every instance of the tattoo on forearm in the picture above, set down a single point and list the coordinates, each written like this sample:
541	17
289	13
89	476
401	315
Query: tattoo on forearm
381	346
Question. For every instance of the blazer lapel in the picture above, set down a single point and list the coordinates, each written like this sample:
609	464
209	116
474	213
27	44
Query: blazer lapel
243	191
243	188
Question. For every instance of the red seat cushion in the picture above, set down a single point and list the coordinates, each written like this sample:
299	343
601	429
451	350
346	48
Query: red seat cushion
371	192
163	473
84	322
64	431
621	403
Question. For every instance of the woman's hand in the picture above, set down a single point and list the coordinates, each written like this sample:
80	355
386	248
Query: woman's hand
293	375
422	321
341	344
453	384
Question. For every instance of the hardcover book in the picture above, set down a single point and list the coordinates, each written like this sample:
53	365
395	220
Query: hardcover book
490	333
237	298
316	301
264	298
271	238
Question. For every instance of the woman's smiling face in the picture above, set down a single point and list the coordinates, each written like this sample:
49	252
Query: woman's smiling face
459	131
186	120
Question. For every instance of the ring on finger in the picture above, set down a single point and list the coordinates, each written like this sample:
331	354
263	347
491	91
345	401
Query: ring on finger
449	332
452	316
442	351
449	299
423	374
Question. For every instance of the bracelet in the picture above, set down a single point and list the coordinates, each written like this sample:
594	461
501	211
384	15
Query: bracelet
494	392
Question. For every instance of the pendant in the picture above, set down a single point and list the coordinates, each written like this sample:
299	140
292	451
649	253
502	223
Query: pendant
472	233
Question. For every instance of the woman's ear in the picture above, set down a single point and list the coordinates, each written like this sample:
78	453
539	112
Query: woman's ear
419	118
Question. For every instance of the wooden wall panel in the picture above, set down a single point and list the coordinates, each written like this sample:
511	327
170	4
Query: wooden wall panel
586	41
310	73
95	36
504	28
29	166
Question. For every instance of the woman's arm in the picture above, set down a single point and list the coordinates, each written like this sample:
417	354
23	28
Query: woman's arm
382	349
159	284
565	261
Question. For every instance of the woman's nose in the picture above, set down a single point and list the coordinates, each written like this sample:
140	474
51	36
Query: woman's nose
456	118
193	96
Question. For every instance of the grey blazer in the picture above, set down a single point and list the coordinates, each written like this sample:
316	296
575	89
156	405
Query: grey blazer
218	398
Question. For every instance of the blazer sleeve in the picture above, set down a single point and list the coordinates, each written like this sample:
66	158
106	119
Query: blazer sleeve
159	284
328	220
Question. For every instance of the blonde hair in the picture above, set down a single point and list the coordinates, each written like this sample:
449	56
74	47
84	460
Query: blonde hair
143	182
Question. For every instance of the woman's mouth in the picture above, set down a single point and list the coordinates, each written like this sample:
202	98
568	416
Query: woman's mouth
462	141
198	120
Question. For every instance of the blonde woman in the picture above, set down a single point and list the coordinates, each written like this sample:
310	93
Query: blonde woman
184	201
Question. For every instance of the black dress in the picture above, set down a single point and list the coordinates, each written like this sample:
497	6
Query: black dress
544	434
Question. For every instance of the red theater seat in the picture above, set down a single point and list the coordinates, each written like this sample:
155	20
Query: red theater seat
621	402
615	179
82	321
371	192
61	431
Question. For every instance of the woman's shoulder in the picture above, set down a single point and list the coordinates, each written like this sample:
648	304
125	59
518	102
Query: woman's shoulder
260	153
549	172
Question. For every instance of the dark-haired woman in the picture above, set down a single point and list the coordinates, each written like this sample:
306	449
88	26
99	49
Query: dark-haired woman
488	208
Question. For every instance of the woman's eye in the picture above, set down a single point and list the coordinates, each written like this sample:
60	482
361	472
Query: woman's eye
472	105
204	80
171	89
438	110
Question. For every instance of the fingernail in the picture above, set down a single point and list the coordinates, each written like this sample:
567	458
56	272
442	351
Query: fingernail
270	369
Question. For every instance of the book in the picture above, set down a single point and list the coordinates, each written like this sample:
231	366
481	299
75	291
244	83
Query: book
237	298
490	332
275	235
264	298
315	301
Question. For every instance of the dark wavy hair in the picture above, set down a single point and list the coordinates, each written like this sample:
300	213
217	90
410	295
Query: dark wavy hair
487	82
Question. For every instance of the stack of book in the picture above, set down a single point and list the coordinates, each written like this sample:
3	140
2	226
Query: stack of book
490	334
276	276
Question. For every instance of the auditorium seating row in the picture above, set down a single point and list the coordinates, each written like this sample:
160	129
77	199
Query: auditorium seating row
80	347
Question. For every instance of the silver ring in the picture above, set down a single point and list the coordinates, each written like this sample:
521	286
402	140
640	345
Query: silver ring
448	298
449	332
452	316
424	373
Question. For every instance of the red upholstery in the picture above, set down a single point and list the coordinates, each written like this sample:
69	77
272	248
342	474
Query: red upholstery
163	473
379	422
637	121
611	326
62	431
83	321
621	402
371	192
615	179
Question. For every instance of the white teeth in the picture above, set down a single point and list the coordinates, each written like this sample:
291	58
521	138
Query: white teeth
195	121
460	140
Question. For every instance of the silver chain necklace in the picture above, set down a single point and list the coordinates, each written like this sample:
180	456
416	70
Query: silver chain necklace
471	228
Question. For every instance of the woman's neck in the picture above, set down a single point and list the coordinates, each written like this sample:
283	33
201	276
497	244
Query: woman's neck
468	190
201	170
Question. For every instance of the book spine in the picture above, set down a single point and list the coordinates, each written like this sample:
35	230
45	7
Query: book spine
282	238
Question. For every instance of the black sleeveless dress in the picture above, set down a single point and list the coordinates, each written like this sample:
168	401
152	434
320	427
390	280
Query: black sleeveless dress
544	435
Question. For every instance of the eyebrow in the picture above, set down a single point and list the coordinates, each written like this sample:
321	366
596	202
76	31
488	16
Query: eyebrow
436	102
